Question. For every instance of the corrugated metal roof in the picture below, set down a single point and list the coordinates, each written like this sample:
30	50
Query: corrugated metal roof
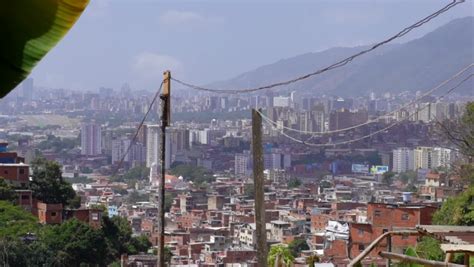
453	234
457	248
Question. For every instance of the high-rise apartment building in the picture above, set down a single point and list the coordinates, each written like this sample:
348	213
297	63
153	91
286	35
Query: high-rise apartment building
276	161
440	111
344	118
423	157
442	157
242	163
119	148
311	121
304	120
318	120
152	144
137	154
425	112
341	103
142	135
281	101
91	139
403	159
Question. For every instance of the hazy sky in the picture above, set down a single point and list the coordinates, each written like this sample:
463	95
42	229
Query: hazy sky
118	41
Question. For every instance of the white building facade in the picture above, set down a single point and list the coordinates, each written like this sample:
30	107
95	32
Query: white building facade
403	159
91	139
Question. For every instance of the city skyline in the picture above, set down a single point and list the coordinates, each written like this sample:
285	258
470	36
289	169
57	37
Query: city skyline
348	156
108	29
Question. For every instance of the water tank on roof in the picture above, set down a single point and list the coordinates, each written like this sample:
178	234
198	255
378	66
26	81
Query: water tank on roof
406	196
3	147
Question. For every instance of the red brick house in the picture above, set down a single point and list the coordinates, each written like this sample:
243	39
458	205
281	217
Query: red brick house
381	218
49	213
388	217
17	174
92	217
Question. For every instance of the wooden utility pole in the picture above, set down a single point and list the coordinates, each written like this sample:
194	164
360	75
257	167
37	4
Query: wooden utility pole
165	120
389	249
258	182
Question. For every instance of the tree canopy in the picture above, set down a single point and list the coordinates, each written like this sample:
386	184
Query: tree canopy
168	201
281	255
249	190
7	192
196	174
48	184
298	245
429	248
387	178
119	240
458	210
134	175
410	251
58	144
294	182
135	196
460	132
71	243
15	221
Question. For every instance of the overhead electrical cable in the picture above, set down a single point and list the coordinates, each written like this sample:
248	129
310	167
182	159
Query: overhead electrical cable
378	117
371	134
338	64
150	107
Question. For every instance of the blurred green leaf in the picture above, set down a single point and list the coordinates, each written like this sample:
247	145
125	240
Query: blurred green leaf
29	30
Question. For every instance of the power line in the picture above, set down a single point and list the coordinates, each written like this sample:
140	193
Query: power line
330	67
138	130
374	133
377	118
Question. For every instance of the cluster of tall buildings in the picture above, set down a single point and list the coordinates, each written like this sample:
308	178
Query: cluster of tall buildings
215	223
273	160
341	114
91	139
406	159
431	111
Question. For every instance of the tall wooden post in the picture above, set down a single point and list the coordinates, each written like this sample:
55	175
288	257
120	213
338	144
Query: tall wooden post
389	249
165	116
260	224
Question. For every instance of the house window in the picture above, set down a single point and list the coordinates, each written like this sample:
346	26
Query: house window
405	216
377	213
25	197
361	231
95	216
22	171
53	214
405	236
361	247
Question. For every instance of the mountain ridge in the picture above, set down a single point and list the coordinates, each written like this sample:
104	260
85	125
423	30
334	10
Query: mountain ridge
418	64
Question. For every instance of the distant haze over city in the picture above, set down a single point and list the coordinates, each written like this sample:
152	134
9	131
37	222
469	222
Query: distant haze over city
124	41
249	133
